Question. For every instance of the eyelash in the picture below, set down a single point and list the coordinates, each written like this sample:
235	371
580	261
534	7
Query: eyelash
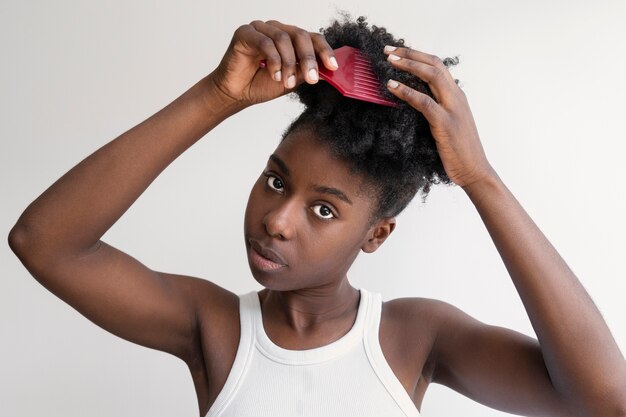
267	181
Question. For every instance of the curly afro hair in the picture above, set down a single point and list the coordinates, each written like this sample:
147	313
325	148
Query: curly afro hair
392	148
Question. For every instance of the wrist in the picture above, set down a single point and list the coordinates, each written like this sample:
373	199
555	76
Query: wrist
485	183
215	100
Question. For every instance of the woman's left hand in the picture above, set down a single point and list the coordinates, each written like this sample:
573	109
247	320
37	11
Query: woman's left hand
450	118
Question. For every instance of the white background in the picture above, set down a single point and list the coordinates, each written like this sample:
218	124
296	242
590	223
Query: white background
546	83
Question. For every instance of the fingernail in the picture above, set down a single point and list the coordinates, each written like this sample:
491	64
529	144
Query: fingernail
393	57
333	61
392	83
389	48
278	75
291	81
313	74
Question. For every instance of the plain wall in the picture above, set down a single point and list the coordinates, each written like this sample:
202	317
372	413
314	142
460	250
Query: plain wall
546	85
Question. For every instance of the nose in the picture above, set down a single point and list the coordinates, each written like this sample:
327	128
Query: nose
280	221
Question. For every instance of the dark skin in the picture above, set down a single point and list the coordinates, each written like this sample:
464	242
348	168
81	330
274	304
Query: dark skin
574	367
318	233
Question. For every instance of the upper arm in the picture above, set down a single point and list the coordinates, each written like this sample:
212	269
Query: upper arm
495	366
120	294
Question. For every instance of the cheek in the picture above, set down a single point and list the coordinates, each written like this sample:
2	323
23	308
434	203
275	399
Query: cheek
328	257
328	243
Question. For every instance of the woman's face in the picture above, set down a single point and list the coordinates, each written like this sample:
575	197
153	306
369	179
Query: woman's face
306	218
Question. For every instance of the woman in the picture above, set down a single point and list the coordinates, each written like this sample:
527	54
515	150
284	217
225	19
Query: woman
310	343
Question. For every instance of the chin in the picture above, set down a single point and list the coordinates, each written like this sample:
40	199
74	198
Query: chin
275	281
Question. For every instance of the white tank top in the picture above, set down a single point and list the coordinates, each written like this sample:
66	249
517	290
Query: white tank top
348	377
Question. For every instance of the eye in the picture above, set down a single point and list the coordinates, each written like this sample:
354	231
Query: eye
323	211
274	183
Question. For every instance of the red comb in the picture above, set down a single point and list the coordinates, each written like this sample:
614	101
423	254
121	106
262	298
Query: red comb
354	78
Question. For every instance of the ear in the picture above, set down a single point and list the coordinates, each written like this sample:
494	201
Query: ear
378	233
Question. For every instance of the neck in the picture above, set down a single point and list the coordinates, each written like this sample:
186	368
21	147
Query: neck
307	308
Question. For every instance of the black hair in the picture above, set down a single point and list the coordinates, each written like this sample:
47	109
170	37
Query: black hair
392	148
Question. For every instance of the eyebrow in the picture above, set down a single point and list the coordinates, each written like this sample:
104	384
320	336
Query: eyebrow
281	164
333	191
319	188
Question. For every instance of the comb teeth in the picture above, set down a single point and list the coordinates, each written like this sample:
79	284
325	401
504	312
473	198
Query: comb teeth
365	81
355	77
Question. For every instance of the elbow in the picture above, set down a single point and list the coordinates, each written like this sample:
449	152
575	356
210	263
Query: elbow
24	244
28	251
18	237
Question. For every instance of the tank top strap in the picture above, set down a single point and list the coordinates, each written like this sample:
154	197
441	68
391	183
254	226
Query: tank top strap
372	316
377	358
331	368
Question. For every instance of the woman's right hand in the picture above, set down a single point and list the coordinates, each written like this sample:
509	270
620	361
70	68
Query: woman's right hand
241	80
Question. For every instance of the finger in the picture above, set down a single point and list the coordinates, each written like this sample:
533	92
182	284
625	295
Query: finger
427	67
285	64
419	101
305	51
324	51
254	39
416	55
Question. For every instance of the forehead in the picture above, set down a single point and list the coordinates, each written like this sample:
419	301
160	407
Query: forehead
311	162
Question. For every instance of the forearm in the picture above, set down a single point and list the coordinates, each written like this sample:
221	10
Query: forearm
581	356
73	213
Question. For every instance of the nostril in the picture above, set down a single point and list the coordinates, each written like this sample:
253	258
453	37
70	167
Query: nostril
277	225
275	231
281	218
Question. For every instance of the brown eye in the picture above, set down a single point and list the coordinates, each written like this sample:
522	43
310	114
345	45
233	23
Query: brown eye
323	211
274	183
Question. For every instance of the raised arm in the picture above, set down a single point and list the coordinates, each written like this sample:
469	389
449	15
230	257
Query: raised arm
57	237
576	367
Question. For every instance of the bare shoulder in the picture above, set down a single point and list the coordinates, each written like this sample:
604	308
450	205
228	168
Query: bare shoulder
408	307
217	311
493	365
211	299
415	322
217	334
418	312
211	307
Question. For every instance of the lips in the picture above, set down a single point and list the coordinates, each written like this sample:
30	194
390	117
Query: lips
268	253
